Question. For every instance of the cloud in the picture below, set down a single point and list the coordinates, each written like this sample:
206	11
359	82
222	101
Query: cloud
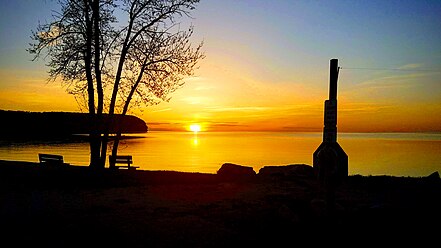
159	123
395	81
237	109
223	124
300	129
411	66
364	108
161	110
194	100
204	87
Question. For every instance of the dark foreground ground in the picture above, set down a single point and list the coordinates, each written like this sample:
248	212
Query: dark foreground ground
77	207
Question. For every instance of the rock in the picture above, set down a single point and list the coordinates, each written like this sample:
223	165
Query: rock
235	171
433	176
301	170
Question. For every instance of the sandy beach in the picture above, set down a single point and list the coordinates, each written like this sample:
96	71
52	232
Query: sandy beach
76	207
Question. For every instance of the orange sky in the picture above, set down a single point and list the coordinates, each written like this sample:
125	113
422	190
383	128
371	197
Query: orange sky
266	68
228	98
231	99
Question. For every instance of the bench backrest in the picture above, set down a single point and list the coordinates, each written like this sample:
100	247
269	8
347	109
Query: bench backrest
121	159
50	157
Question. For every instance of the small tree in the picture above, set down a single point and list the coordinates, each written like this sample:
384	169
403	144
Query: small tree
142	61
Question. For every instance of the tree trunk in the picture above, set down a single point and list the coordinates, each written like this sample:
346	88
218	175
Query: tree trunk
119	70
97	68
125	109
95	145
115	144
93	134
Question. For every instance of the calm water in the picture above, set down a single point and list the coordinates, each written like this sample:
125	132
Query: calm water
398	154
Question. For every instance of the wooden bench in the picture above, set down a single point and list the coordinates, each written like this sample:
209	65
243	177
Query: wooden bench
127	159
51	159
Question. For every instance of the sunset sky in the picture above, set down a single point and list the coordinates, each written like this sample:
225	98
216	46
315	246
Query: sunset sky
267	66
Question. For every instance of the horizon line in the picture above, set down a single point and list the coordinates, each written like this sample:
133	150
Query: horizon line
284	131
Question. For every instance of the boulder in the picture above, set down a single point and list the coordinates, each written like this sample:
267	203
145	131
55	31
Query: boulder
235	171
291	170
433	178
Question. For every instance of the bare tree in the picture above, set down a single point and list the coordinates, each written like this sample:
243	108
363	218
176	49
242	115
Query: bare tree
73	43
156	56
114	66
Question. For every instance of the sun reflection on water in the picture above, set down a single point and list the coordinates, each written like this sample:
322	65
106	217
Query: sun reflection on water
195	139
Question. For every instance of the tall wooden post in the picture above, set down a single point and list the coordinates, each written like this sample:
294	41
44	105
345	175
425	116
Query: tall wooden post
330	162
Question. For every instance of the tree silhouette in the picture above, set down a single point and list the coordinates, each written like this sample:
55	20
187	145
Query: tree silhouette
112	62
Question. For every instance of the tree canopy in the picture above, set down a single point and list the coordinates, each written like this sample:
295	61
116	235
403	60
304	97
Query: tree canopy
113	55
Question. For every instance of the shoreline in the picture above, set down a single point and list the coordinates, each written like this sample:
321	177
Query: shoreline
36	164
66	207
377	156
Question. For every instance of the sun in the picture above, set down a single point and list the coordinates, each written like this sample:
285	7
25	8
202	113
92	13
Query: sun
195	128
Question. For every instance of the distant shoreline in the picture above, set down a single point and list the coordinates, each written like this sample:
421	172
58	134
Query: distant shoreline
71	138
60	124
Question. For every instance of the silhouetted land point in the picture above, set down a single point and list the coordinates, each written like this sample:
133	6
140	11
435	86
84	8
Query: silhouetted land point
74	206
25	125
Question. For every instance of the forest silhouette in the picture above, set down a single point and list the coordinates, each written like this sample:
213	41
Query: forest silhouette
47	125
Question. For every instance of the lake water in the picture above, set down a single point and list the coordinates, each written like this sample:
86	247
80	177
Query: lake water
397	154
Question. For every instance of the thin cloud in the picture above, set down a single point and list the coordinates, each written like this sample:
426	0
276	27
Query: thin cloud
411	66
162	110
237	109
364	108
159	123
194	100
395	81
200	88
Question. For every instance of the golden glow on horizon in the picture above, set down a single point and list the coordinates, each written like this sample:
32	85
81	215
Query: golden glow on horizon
225	98
229	99
240	102
195	128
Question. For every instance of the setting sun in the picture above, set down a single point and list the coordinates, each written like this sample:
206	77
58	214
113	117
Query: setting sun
195	128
